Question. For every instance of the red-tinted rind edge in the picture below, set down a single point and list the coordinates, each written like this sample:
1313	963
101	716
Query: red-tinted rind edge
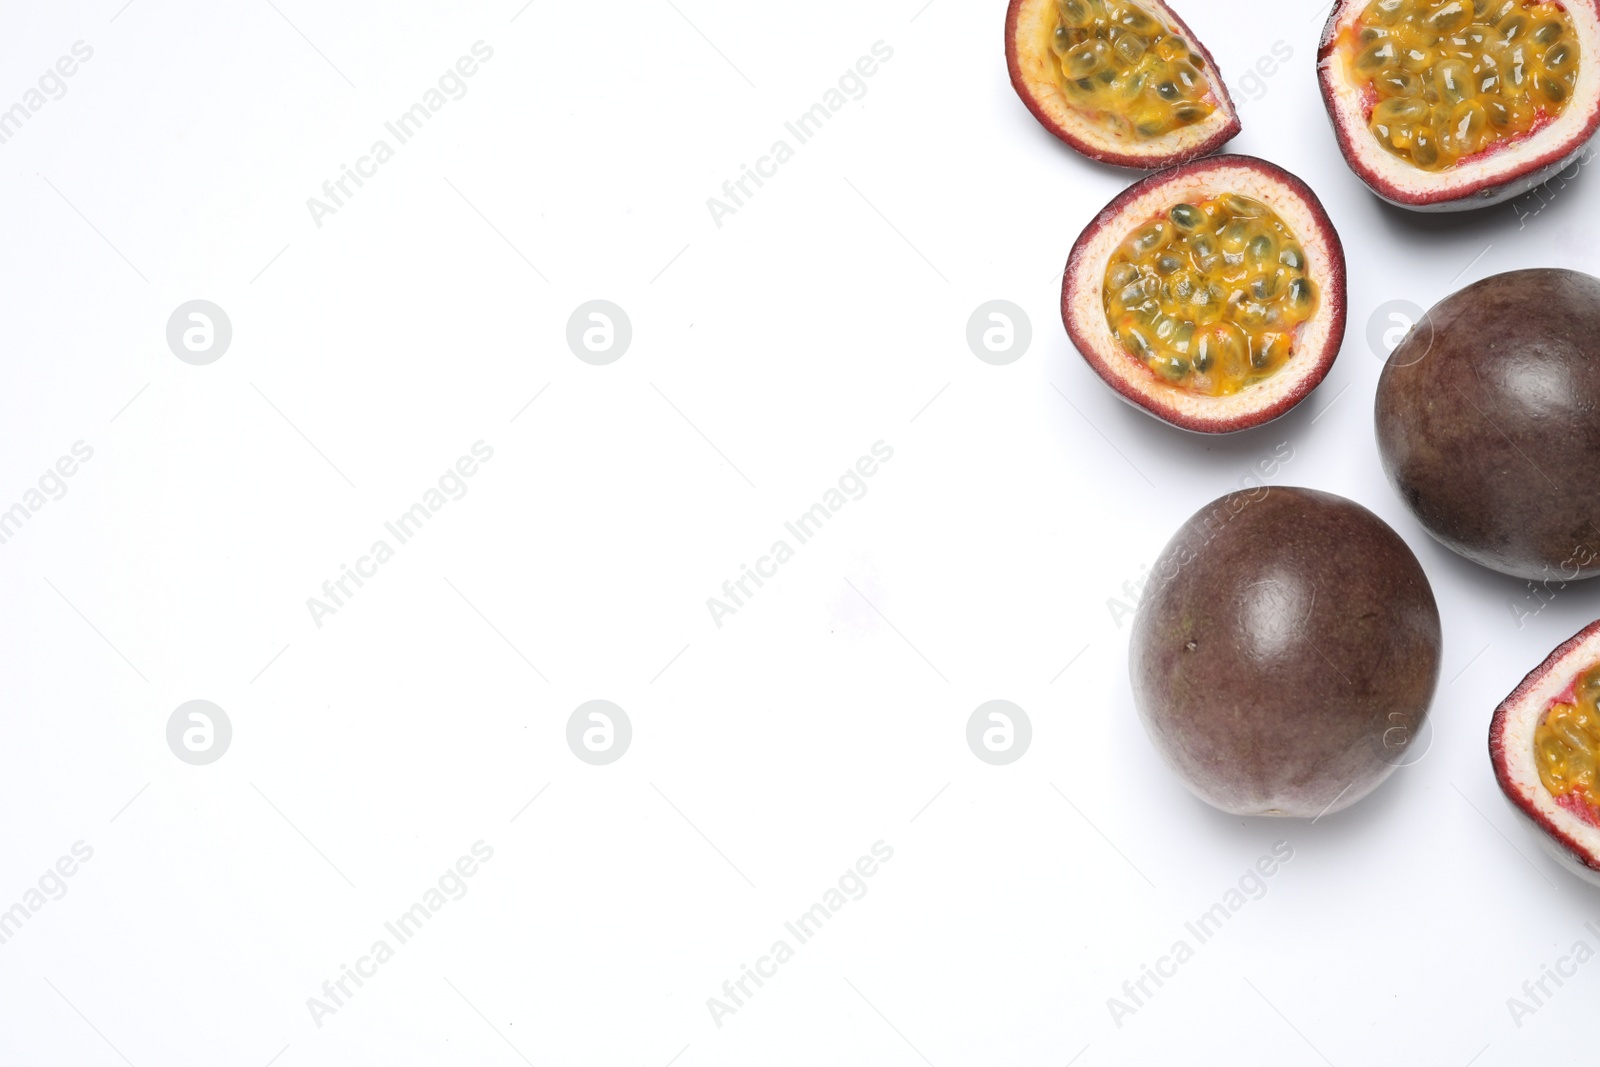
1569	852
1486	192
1099	153
1334	296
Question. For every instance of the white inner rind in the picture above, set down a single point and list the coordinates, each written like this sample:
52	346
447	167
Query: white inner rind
1088	307
1522	720
1041	70
1563	136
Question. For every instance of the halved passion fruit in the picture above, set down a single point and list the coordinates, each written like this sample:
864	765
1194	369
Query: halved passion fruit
1444	105
1544	742
1212	294
1122	81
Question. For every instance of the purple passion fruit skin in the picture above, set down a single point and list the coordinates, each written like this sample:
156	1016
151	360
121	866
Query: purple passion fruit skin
1488	423
1286	649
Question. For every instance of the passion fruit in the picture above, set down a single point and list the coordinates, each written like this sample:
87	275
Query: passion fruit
1211	294
1121	81
1444	105
1544	743
1488	423
1285	652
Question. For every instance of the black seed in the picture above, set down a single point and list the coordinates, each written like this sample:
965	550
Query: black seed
1176	368
1187	216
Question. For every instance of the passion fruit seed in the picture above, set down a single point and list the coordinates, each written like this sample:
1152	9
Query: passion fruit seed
1126	67
1566	747
1452	78
1209	296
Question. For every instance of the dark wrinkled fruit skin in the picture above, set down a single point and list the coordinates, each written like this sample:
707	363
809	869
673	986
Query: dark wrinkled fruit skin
1285	652
1488	420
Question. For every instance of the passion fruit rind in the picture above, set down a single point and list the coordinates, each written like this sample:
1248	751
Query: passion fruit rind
1487	416
1500	173
1571	841
1083	308
1030	27
1285	638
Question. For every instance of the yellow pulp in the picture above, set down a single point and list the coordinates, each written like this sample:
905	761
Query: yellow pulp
1447	79
1126	66
1208	296
1567	743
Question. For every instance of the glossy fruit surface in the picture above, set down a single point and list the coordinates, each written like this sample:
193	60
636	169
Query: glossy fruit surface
1488	423
1445	105
1285	652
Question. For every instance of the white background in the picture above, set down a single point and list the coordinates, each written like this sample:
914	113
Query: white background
768	754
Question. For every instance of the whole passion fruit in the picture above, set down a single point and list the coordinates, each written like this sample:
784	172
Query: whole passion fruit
1122	81
1443	105
1285	652
1488	423
1544	743
1211	294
